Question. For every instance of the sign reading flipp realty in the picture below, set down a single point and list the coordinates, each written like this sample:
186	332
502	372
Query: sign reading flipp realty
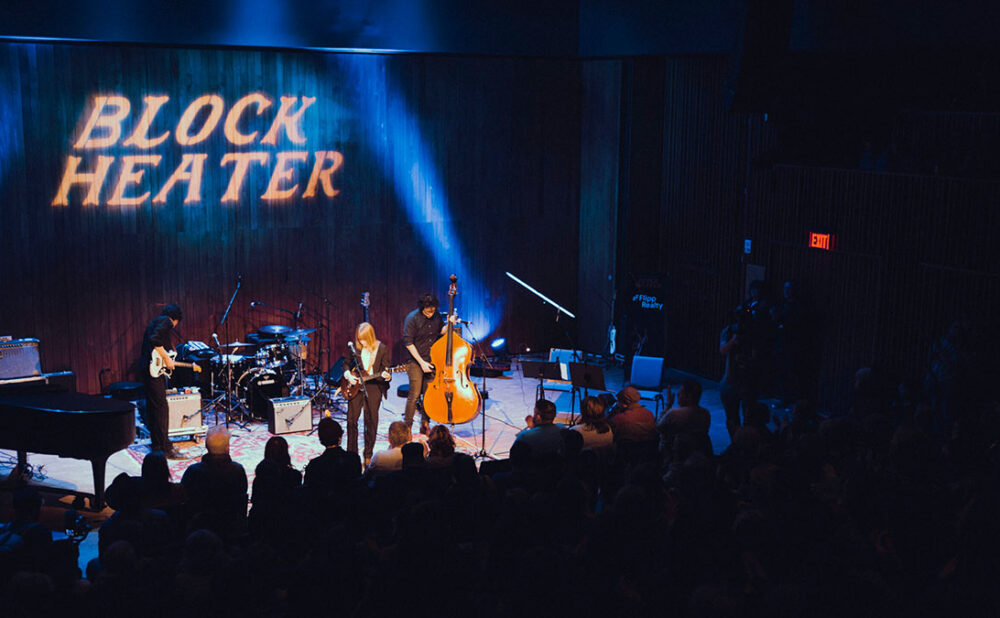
111	155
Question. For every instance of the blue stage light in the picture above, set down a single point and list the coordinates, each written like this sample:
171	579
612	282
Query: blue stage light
409	163
498	343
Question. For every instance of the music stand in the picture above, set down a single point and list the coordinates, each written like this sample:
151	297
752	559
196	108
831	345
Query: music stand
587	377
541	370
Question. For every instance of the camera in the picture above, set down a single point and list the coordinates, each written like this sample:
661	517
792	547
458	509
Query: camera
76	525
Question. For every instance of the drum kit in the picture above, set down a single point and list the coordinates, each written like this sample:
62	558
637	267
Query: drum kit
269	363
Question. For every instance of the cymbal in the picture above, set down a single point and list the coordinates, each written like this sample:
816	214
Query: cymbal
236	344
274	329
302	332
220	359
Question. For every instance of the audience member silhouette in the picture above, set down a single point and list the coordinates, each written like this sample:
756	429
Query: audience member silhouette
217	488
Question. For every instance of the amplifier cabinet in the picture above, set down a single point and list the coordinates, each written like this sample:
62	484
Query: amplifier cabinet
289	414
19	359
185	413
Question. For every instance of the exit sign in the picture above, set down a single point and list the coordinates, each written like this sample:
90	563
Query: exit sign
820	241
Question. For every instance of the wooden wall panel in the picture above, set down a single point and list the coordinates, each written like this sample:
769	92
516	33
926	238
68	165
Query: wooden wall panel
600	147
501	136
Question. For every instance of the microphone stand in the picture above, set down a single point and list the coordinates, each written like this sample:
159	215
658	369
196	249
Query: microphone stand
481	453
229	361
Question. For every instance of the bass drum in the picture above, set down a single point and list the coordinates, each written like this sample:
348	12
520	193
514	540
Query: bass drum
258	386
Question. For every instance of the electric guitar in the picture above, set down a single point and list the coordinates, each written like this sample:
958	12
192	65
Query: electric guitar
158	368
350	391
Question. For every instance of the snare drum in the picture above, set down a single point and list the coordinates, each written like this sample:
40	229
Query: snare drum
271	356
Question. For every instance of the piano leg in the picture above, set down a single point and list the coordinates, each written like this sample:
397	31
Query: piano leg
98	466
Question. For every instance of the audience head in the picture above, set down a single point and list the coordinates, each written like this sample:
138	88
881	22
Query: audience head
690	393
573	443
217	440
276	450
27	503
399	434
629	397
155	471
330	432
592	414
520	454
440	441
757	415
413	455
545	412
125	494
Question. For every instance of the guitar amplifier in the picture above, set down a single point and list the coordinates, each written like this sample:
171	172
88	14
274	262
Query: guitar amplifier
185	413
19	359
289	414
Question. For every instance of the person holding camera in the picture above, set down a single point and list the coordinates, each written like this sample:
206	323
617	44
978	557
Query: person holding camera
746	343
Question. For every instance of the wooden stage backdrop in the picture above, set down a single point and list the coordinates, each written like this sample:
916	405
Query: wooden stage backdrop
448	164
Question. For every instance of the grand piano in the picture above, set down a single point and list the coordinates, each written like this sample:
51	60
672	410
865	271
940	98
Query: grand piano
72	425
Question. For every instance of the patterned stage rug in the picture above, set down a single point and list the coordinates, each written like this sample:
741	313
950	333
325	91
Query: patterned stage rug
246	447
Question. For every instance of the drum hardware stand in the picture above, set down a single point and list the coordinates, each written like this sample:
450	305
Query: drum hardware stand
233	406
229	367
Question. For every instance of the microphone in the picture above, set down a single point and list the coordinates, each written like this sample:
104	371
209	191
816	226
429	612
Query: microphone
298	314
350	344
254	304
216	337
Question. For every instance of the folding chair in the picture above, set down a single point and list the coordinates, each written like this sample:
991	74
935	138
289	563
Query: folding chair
647	378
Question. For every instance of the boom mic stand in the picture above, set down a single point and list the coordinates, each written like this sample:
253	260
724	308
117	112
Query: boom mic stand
229	364
481	453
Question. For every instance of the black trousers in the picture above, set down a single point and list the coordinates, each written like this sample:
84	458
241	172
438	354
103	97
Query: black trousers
733	396
354	407
157	416
418	386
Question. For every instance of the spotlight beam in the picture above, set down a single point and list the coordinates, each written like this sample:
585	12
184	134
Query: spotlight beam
540	295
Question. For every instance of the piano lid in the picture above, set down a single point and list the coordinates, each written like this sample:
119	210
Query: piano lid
65	403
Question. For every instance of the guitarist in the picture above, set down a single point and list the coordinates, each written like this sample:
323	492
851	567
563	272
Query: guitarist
374	358
157	340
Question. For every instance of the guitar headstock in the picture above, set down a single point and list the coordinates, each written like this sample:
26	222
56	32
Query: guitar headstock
365	300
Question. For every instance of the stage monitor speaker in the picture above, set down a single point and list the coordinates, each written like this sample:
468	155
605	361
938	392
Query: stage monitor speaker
19	359
184	413
289	414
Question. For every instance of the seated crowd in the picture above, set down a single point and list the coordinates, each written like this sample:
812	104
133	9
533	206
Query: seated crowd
874	513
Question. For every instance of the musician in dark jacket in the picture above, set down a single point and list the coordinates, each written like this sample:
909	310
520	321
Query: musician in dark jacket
157	340
368	361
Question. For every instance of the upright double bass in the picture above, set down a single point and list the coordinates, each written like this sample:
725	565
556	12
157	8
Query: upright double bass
451	396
